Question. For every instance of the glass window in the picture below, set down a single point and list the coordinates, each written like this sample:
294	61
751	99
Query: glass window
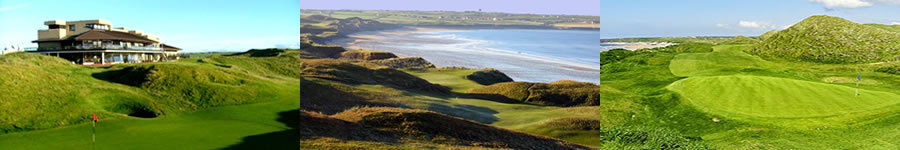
71	27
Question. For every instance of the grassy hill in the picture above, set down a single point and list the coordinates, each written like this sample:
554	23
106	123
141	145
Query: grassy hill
182	104
892	28
831	40
319	28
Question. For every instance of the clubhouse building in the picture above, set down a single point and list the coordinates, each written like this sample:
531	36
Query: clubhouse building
95	42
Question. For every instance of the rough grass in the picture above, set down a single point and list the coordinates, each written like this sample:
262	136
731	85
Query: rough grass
559	93
41	92
828	39
346	72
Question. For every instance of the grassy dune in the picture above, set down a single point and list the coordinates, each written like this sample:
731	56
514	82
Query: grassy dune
829	39
184	104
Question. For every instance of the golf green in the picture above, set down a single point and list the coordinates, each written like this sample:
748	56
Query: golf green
759	96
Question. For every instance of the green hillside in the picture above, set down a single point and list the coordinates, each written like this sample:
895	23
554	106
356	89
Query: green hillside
892	28
831	40
181	104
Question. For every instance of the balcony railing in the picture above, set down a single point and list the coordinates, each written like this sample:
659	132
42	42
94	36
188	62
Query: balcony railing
101	47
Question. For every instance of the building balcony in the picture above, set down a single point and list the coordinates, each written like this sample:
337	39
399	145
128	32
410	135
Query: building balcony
100	47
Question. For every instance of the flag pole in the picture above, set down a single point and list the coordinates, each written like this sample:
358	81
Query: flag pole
94	131
93	134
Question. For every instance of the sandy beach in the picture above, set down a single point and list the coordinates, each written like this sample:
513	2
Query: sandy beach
355	39
447	50
640	45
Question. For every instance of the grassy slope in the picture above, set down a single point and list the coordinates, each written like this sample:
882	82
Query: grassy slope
803	105
266	118
830	40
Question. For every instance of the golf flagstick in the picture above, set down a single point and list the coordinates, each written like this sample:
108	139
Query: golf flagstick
94	132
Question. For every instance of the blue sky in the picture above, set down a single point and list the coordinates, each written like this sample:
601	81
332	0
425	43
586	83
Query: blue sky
193	25
663	18
571	7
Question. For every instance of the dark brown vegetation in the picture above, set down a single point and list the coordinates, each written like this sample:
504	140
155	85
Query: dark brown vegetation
489	76
346	72
559	93
398	125
405	62
366	55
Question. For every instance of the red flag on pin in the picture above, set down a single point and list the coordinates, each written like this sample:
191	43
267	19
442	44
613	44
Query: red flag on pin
95	118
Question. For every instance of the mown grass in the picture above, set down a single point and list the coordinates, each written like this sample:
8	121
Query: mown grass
787	104
756	96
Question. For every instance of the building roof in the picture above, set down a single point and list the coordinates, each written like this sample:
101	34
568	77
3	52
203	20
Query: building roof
111	35
170	48
104	35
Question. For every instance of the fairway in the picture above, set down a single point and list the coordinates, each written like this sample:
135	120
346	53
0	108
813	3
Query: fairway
725	59
759	96
454	79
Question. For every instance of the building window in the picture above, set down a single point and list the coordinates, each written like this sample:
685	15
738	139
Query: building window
71	27
97	26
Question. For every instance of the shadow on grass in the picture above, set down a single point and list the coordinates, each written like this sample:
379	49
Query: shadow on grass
132	76
285	139
472	112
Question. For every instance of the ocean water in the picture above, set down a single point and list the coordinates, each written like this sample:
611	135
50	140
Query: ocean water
524	55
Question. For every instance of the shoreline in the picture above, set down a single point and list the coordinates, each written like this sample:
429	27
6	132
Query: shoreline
449	51
366	36
640	45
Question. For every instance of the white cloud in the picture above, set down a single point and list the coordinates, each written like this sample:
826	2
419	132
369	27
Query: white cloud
755	24
895	23
831	4
891	2
850	4
721	25
8	8
786	26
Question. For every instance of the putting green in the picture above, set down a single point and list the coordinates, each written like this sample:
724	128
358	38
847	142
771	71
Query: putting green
759	96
